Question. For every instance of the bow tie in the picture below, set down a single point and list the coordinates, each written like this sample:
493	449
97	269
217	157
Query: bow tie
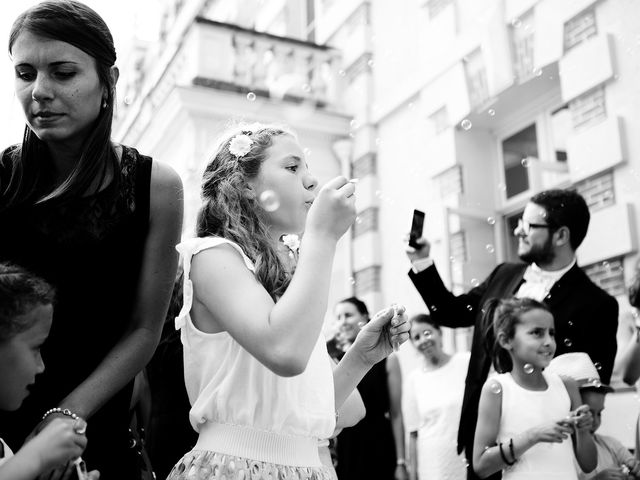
536	275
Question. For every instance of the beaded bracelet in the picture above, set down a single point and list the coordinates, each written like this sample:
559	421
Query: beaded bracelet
63	411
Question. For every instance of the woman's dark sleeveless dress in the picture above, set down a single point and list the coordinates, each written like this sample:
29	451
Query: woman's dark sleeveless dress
367	450
91	251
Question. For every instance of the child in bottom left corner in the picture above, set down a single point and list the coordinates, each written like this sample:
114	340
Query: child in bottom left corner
26	308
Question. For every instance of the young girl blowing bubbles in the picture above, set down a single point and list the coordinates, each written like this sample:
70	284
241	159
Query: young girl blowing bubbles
257	371
526	415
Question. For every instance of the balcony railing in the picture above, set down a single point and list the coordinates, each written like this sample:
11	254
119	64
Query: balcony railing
231	58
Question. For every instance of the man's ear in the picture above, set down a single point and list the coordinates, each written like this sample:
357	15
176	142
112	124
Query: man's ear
562	236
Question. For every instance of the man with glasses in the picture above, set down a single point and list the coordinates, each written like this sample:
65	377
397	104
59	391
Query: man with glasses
553	225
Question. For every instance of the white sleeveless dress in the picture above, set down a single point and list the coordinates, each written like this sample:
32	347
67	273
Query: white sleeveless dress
523	409
252	423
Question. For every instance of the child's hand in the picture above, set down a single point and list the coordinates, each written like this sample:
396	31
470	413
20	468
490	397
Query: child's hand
377	338
57	443
333	210
556	432
611	474
581	418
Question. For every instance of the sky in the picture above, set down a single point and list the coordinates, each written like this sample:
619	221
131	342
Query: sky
124	18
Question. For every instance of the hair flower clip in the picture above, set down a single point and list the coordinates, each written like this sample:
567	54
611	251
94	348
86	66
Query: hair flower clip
240	145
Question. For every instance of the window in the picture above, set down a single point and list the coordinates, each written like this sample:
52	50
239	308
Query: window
511	243
561	128
608	275
588	108
517	152
580	28
435	7
366	221
598	191
476	74
440	120
522	39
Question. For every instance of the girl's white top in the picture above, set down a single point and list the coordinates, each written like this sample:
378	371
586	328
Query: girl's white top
523	409
239	406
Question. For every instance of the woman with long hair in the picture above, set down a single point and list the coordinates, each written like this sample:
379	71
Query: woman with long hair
97	220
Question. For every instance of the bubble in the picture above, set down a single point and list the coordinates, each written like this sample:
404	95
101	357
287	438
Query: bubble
568	342
411	105
306	88
358	220
452	259
598	365
307	152
251	97
495	387
433	308
128	100
371	63
269	200
570	323
490	248
466	124
606	264
352	280
537	72
470	308
528	368
353	124
491	112
352	135
491	220
516	22
525	162
475	282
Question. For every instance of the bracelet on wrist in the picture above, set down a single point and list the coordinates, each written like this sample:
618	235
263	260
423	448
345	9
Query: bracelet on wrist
62	411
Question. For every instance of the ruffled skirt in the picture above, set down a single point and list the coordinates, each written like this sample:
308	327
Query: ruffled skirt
207	465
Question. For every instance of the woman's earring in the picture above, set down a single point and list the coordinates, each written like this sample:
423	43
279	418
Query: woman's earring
104	103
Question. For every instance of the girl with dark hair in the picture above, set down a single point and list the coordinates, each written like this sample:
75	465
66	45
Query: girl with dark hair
257	371
433	400
527	415
97	220
26	309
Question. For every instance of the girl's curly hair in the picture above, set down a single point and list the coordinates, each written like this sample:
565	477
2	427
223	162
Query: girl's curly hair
231	210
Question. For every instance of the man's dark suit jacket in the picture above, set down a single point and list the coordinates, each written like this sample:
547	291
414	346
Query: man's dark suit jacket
586	320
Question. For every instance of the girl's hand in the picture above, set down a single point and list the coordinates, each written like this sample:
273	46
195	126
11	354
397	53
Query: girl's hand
57	443
582	418
333	210
387	328
611	474
556	432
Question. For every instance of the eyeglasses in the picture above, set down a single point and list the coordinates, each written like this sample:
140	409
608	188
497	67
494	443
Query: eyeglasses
526	226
